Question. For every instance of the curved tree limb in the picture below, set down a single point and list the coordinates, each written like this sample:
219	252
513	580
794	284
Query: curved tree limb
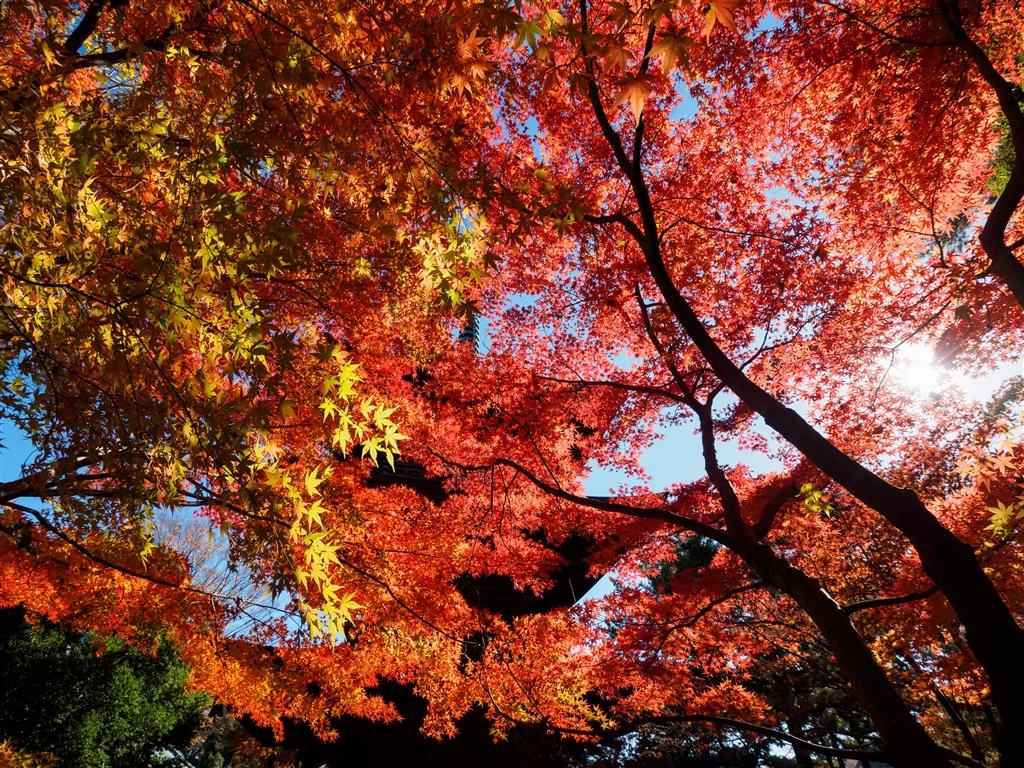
618	385
764	523
724	722
992	631
882	601
88	24
649	513
993	235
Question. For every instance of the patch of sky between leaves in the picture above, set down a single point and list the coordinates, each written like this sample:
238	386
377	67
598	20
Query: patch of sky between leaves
533	131
768	23
15	451
688	106
677	457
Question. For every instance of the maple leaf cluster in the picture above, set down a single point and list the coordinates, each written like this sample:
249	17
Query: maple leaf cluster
237	245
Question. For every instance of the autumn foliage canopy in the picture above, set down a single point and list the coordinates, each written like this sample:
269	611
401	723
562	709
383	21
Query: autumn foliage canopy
238	242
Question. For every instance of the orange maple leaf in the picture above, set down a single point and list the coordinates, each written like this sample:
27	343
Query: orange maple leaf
672	49
1003	464
633	90
720	10
966	468
470	47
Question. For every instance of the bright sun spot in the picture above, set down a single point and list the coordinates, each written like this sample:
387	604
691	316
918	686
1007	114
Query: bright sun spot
916	369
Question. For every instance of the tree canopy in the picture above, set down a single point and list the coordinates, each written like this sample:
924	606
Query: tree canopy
238	241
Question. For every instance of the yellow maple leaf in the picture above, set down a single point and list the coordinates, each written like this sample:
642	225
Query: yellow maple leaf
313	482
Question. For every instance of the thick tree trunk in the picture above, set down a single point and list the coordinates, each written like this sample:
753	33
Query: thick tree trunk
903	734
803	756
1005	265
906	738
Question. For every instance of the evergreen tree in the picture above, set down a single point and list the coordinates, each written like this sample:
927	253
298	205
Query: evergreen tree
91	701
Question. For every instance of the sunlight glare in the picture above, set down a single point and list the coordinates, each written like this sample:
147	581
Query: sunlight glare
915	368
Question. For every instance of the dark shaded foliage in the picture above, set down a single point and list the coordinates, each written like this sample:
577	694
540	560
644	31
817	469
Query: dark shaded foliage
93	702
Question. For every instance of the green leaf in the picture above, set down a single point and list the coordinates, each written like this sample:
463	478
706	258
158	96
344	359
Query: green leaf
527	30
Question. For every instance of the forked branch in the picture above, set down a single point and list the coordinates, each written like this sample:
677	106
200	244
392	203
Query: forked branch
649	513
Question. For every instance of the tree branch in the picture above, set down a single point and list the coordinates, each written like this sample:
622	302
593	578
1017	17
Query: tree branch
883	33
883	601
71	60
649	513
33	485
618	385
122	55
773	733
85	551
947	704
992	631
993	235
689	621
91	555
594	95
767	519
688	396
618	218
405	606
725	722
727	493
641	124
90	20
